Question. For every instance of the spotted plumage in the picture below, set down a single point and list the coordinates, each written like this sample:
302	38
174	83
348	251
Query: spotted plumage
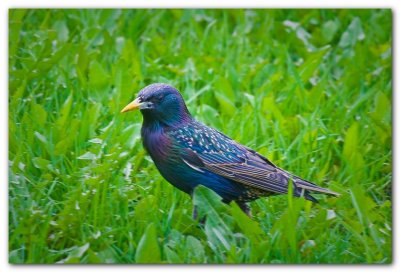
188	153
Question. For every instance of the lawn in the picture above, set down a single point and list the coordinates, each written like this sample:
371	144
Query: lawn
309	89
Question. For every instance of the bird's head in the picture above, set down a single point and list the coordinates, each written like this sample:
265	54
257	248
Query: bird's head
160	103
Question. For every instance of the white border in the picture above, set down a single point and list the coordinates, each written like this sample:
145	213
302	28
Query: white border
6	4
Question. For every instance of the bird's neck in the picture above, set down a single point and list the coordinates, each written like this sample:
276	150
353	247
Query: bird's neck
170	122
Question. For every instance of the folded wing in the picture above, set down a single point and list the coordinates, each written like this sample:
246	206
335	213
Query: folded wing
206	149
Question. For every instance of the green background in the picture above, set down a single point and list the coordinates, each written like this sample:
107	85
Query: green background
309	89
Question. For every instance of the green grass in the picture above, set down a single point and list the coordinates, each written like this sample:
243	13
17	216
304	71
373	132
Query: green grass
309	89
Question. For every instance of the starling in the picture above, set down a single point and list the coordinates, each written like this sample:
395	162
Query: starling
188	153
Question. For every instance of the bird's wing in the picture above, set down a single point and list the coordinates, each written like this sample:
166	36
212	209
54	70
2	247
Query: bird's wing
206	149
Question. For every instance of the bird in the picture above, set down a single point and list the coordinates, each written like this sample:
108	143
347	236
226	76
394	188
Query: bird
188	153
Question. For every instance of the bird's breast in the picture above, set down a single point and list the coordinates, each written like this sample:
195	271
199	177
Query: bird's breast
156	143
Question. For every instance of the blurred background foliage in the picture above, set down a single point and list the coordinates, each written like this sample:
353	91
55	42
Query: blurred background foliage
309	89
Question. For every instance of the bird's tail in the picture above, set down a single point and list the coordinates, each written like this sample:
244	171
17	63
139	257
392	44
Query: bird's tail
306	187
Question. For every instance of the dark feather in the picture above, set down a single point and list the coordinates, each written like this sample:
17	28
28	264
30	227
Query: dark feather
206	149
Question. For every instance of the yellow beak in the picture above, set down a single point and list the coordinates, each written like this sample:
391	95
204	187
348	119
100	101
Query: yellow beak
134	105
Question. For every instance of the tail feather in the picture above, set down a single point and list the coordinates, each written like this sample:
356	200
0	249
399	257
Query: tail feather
313	188
310	197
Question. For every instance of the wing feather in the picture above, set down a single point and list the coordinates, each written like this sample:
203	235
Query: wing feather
252	176
208	149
